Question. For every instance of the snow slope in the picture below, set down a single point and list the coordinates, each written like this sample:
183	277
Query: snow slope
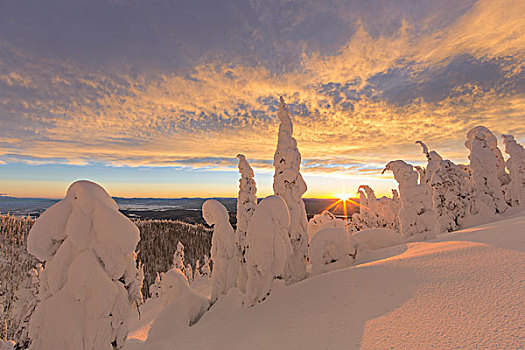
464	290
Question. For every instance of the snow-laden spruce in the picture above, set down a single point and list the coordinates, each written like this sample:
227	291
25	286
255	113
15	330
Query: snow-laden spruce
269	247
224	253
319	221
155	289
488	171
374	212
416	216
289	184
516	166
433	163
178	258
332	248
182	306
451	196
246	204
88	247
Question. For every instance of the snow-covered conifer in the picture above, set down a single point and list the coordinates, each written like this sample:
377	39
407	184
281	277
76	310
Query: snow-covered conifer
155	290
289	184
516	166
450	196
434	161
488	171
224	253
205	269
268	247
26	300
416	217
178	258
246	204
86	244
189	273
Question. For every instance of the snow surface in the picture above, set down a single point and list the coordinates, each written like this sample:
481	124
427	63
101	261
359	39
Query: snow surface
378	238
463	290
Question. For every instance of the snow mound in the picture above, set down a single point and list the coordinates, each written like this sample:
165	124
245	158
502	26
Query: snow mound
331	248
378	238
463	291
319	221
183	307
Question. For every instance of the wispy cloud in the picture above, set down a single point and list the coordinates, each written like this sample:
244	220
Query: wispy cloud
361	88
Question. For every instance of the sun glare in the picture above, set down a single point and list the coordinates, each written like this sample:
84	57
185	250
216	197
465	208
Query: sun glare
343	196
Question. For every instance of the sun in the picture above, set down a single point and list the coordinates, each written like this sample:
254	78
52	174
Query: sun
343	196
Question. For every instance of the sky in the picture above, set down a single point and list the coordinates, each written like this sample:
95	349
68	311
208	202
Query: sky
156	98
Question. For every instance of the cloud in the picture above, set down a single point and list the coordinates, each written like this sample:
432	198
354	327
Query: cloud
361	89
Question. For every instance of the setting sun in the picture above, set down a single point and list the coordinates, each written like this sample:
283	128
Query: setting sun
343	196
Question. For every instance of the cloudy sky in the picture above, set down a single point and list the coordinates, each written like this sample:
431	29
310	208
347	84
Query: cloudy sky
156	98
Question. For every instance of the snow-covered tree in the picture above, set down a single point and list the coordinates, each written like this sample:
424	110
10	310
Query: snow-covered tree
450	196
434	161
268	247
325	219
189	273
87	245
26	300
246	204
488	171
205	269
155	290
332	248
490	141
178	258
416	217
289	184
224	253
516	166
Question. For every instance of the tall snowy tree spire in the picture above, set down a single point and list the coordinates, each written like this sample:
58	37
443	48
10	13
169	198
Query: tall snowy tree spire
246	205
289	184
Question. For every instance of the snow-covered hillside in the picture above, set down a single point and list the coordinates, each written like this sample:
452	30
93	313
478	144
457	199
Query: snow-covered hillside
463	290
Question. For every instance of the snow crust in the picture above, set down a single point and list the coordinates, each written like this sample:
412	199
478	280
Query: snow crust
87	246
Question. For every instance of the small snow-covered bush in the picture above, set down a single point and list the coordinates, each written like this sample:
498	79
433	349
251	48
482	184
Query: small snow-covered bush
268	247
516	166
183	306
224	252
87	246
378	238
319	221
332	248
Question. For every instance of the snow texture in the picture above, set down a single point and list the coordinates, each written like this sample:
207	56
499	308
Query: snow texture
87	246
416	216
224	252
269	247
289	184
246	204
7	344
488	171
378	238
319	221
332	248
516	166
